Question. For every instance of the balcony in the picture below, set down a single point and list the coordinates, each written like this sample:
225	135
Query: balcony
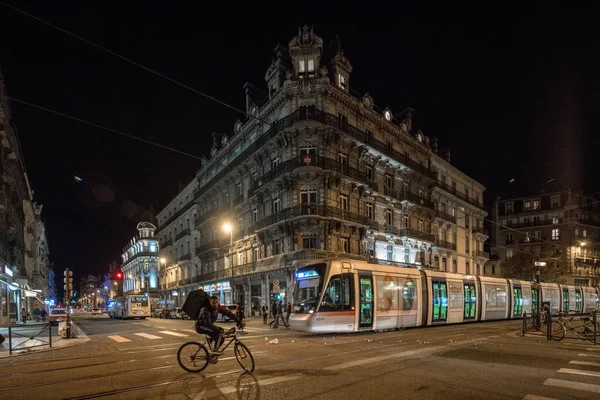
306	113
417	234
445	245
210	214
483	254
311	210
182	234
404	195
458	194
539	222
316	161
184	257
445	216
481	231
166	244
388	228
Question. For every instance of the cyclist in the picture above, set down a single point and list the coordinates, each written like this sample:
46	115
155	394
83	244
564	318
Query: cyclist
208	316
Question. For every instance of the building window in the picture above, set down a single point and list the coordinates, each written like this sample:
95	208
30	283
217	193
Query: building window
275	163
369	172
527	205
535	204
277	247
468	270
276	204
508	208
311	65
389	183
421	225
308	197
389	217
343	202
301	66
369	211
226	197
255	215
369	136
555	234
467	193
555	201
406	221
343	158
509	254
255	254
309	242
454	266
238	189
390	252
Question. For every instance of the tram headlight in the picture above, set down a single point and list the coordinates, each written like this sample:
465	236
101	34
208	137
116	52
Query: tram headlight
311	311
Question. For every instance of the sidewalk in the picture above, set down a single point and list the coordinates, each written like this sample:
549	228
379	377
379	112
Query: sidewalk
33	337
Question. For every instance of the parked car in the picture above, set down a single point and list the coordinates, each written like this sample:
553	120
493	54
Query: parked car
96	311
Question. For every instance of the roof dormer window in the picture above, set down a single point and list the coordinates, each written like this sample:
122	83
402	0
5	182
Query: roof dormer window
311	65
301	67
342	81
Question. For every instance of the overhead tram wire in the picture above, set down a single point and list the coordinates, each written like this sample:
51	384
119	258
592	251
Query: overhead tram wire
105	128
148	69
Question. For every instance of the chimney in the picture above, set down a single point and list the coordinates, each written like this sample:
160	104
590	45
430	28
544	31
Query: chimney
447	155
434	145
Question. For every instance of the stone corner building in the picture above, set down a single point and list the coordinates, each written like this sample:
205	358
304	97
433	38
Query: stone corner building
315	172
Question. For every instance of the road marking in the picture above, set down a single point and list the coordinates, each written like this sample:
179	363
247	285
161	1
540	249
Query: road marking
147	336
579	372
261	382
119	339
593	349
535	397
588	355
586	387
382	358
174	333
591	364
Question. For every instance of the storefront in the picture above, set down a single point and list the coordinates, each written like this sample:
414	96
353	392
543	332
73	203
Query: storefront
10	300
220	289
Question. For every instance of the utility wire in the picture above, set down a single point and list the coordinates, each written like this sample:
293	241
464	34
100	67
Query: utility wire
104	128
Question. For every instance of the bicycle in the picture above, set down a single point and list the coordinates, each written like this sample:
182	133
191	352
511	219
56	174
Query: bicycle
199	356
562	325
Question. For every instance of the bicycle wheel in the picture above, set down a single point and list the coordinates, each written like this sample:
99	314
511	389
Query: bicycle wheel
558	332
192	356
244	357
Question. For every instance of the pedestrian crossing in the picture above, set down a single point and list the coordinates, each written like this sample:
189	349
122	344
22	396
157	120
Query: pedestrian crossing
128	337
581	378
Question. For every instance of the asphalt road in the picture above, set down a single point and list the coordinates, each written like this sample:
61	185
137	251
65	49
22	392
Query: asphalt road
137	360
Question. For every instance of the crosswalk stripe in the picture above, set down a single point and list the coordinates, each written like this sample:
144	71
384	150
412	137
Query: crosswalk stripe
589	363
579	372
147	336
174	333
586	387
119	339
588	355
536	397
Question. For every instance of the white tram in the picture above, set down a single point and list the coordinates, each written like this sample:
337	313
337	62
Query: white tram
343	295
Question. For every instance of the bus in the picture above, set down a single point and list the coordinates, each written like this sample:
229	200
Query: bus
129	306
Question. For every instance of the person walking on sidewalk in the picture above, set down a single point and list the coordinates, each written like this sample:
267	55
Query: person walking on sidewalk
37	313
24	315
280	315
288	310
265	313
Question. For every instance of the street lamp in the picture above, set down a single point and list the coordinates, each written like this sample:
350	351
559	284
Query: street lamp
228	228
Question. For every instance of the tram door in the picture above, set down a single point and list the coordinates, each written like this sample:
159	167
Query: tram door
365	283
517	301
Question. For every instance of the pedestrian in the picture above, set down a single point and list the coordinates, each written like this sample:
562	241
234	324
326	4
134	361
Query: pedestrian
280	309
44	314
37	313
24	315
265	313
289	312
274	309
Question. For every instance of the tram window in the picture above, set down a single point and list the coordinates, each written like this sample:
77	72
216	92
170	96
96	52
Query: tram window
409	295
518	301
440	301
578	302
338	295
565	294
534	300
470	300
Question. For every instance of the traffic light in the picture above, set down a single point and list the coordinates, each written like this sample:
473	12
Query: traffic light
119	275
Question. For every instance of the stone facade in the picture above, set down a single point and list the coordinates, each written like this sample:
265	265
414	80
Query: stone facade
315	172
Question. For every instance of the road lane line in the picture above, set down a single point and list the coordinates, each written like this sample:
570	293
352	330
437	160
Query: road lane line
579	372
586	387
535	397
386	357
147	336
119	339
174	333
263	382
593	349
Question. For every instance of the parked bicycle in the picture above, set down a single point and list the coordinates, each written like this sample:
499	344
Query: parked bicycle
563	325
195	356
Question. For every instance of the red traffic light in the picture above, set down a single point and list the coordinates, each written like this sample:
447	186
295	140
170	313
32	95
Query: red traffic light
119	275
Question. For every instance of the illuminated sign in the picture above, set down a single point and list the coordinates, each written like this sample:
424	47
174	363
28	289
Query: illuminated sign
140	298
306	274
8	271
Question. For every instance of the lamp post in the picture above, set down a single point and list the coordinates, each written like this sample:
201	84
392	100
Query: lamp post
228	228
162	261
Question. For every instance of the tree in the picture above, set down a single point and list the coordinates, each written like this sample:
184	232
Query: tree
522	266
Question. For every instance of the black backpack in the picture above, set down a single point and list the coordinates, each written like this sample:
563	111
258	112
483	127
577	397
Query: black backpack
194	303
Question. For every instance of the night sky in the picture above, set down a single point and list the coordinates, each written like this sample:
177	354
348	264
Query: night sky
514	92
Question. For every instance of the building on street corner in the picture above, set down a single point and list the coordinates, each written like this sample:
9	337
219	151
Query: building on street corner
141	267
316	172
561	225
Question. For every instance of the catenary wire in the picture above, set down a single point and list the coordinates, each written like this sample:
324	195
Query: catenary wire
148	69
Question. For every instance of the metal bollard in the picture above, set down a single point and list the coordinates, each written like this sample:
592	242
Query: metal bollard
595	320
9	340
549	325
524	323
50	333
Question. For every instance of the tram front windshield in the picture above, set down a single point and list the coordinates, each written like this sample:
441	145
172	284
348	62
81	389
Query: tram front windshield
309	282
